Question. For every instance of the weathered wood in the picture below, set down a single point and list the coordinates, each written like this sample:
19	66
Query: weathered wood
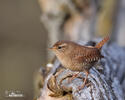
104	84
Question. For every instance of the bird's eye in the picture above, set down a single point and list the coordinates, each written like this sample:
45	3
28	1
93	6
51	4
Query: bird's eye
59	47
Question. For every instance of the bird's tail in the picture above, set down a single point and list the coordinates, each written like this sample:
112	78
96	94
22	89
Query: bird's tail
100	44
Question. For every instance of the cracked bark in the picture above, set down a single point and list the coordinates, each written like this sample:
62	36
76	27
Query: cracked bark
104	83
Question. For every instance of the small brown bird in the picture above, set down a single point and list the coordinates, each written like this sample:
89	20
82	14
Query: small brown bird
77	57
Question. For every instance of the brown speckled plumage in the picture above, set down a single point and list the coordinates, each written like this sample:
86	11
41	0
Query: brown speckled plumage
77	57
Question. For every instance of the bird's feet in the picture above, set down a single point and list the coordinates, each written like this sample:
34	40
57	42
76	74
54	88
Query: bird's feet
73	77
84	82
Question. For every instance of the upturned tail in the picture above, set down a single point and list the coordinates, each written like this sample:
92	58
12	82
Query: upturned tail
100	44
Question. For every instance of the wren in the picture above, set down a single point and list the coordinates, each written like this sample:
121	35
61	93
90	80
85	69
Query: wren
77	57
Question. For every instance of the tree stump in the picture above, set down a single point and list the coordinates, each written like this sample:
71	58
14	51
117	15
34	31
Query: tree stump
105	80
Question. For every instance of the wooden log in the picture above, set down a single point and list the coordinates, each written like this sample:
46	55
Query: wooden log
104	83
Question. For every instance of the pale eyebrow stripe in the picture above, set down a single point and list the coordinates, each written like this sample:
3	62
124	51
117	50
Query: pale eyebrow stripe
64	44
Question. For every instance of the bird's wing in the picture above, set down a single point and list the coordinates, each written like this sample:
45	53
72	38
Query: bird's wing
88	56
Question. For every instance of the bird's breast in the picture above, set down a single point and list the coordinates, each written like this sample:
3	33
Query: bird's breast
72	65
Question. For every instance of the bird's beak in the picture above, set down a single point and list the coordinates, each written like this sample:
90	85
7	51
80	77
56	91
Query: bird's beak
51	48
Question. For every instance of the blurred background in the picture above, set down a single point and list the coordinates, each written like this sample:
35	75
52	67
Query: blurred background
29	27
22	47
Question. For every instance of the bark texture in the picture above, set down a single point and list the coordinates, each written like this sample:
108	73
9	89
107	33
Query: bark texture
106	79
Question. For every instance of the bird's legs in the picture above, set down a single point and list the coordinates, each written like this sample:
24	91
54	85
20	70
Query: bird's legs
83	85
73	77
